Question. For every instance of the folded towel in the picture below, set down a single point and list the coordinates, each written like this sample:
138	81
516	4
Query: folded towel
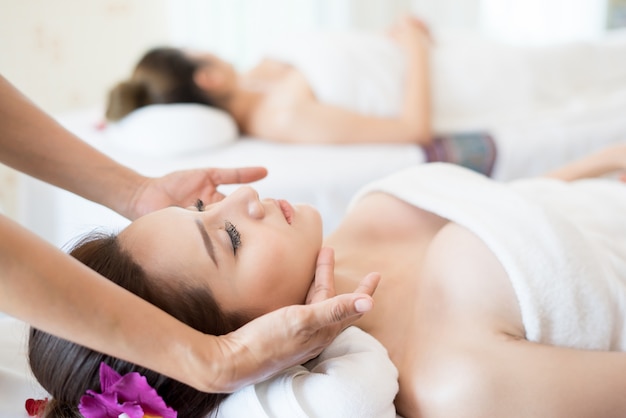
562	244
353	377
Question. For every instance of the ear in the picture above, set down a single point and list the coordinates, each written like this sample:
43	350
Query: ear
206	79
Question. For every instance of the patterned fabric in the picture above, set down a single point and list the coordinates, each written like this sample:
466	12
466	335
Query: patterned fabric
474	150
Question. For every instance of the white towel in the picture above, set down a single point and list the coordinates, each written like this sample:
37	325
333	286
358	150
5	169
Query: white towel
352	378
563	245
357	71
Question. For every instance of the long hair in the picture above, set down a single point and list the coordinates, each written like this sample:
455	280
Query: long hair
163	75
67	370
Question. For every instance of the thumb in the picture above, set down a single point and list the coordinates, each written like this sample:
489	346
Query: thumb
343	309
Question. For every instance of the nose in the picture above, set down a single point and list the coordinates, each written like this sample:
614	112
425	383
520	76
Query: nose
249	198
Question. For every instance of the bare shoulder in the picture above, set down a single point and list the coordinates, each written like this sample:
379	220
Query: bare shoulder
384	214
472	283
273	115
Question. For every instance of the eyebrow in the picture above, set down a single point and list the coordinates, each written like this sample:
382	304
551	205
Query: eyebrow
208	244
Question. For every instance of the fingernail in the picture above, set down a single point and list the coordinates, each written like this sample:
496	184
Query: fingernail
363	305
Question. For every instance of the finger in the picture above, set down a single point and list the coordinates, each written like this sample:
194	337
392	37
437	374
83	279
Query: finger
237	175
368	284
215	197
324	282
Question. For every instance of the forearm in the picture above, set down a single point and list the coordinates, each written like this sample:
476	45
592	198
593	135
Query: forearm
318	123
600	163
416	110
34	143
43	286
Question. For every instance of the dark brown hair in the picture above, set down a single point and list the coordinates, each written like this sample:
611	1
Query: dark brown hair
163	75
66	370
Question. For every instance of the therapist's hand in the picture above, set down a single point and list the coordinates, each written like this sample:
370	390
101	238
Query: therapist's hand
184	188
295	334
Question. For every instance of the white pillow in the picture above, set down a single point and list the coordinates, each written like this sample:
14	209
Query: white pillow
166	130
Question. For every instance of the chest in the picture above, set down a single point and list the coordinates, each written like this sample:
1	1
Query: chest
279	91
277	82
442	289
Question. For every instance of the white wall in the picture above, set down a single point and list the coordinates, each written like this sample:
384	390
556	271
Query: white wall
240	30
543	21
66	54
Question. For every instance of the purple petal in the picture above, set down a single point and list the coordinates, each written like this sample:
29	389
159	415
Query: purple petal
130	394
134	387
95	405
108	377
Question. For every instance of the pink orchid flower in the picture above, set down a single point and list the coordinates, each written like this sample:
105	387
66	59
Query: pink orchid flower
128	396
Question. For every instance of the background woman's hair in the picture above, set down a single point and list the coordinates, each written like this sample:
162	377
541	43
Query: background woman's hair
163	75
66	370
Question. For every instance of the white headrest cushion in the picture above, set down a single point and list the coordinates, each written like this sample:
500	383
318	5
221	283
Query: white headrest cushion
173	129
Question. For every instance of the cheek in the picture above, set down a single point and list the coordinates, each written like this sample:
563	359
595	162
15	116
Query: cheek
282	276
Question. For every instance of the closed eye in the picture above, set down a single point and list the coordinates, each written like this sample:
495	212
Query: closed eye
235	238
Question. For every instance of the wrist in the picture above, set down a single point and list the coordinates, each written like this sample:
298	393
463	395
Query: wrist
209	365
123	191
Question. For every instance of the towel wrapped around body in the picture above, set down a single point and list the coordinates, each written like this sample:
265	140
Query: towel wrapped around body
563	245
362	72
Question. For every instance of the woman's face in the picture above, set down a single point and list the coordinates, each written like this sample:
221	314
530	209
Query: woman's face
215	76
255	256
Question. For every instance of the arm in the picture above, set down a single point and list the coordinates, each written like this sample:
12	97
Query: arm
521	379
606	161
307	120
45	287
34	143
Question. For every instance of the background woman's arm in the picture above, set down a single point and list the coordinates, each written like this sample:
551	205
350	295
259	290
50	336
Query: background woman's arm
307	120
606	161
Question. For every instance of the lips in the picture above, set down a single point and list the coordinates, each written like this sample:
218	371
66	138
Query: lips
287	210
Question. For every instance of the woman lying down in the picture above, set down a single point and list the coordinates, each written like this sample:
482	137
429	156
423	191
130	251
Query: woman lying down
496	300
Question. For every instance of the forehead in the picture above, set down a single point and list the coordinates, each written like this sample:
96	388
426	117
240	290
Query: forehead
164	242
165	224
